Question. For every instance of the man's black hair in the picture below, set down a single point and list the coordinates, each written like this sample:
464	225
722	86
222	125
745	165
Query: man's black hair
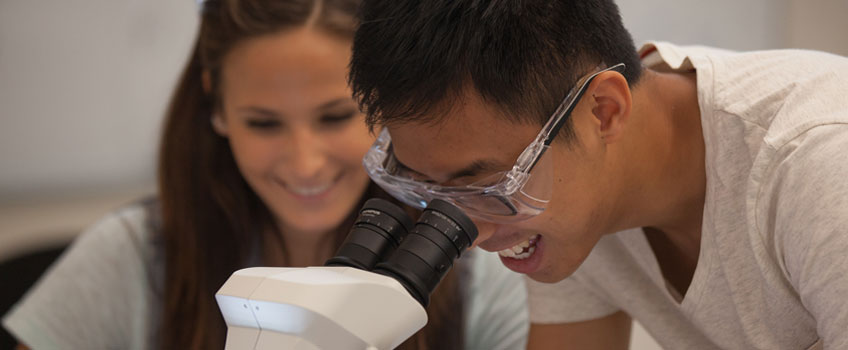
413	59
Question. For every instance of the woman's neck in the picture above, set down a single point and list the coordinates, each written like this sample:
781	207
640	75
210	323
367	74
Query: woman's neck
291	248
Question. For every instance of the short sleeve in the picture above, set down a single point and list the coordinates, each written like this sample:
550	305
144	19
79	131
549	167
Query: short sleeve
805	200
93	297
497	305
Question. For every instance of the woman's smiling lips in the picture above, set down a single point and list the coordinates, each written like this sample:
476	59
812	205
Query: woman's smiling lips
312	191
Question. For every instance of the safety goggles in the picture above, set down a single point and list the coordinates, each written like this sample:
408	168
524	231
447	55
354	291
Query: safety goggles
507	196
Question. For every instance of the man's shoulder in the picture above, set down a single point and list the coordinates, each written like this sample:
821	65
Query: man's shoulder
810	156
760	101
781	90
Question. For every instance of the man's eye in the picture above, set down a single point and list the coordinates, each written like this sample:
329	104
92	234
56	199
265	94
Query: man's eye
416	177
263	124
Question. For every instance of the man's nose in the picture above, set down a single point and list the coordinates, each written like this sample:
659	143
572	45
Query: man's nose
485	230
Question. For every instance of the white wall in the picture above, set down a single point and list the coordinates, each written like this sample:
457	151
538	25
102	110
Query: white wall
741	25
83	85
818	25
731	24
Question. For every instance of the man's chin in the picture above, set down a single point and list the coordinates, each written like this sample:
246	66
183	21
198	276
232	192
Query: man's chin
547	276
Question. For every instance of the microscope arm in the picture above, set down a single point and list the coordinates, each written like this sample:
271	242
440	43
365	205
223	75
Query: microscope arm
317	308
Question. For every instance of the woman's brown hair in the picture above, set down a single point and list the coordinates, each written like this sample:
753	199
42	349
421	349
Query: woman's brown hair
212	222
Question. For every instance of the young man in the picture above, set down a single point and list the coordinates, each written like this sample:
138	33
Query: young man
702	192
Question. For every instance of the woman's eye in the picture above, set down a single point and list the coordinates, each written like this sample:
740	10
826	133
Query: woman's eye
263	124
337	119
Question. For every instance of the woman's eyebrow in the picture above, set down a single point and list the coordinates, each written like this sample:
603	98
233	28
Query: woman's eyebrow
334	103
259	110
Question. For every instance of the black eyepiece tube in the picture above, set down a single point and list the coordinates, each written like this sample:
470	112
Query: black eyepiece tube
377	232
441	235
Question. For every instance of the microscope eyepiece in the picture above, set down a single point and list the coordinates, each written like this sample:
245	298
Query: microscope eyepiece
384	241
441	235
377	232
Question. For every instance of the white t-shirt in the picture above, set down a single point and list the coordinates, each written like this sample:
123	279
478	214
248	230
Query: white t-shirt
772	271
105	293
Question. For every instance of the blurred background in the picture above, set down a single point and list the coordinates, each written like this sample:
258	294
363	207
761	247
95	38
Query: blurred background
84	83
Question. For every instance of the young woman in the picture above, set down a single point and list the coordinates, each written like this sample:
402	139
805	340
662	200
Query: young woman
260	164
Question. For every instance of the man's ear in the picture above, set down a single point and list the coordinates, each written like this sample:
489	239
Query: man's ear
219	125
611	105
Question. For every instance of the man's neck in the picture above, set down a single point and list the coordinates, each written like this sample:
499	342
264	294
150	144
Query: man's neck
667	157
669	174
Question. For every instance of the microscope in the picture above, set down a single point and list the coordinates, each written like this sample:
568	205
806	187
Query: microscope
370	295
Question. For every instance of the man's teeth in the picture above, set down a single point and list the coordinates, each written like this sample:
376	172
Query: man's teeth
310	191
522	250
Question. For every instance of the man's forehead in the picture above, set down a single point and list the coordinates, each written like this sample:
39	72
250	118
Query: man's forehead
432	150
443	134
450	148
466	122
461	132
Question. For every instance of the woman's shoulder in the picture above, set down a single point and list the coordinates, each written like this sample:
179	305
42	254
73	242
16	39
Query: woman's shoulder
118	249
124	238
93	295
137	222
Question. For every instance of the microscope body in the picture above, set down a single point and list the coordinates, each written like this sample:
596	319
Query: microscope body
322	307
370	295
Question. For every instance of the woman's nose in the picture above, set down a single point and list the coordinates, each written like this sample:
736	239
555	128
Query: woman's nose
308	156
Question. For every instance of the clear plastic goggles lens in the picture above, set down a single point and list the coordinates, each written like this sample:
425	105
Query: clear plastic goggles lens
502	197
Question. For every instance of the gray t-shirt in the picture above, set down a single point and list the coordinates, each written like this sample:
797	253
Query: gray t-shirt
105	292
772	271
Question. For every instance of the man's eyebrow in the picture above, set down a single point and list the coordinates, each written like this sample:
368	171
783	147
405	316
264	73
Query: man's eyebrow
406	168
475	168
